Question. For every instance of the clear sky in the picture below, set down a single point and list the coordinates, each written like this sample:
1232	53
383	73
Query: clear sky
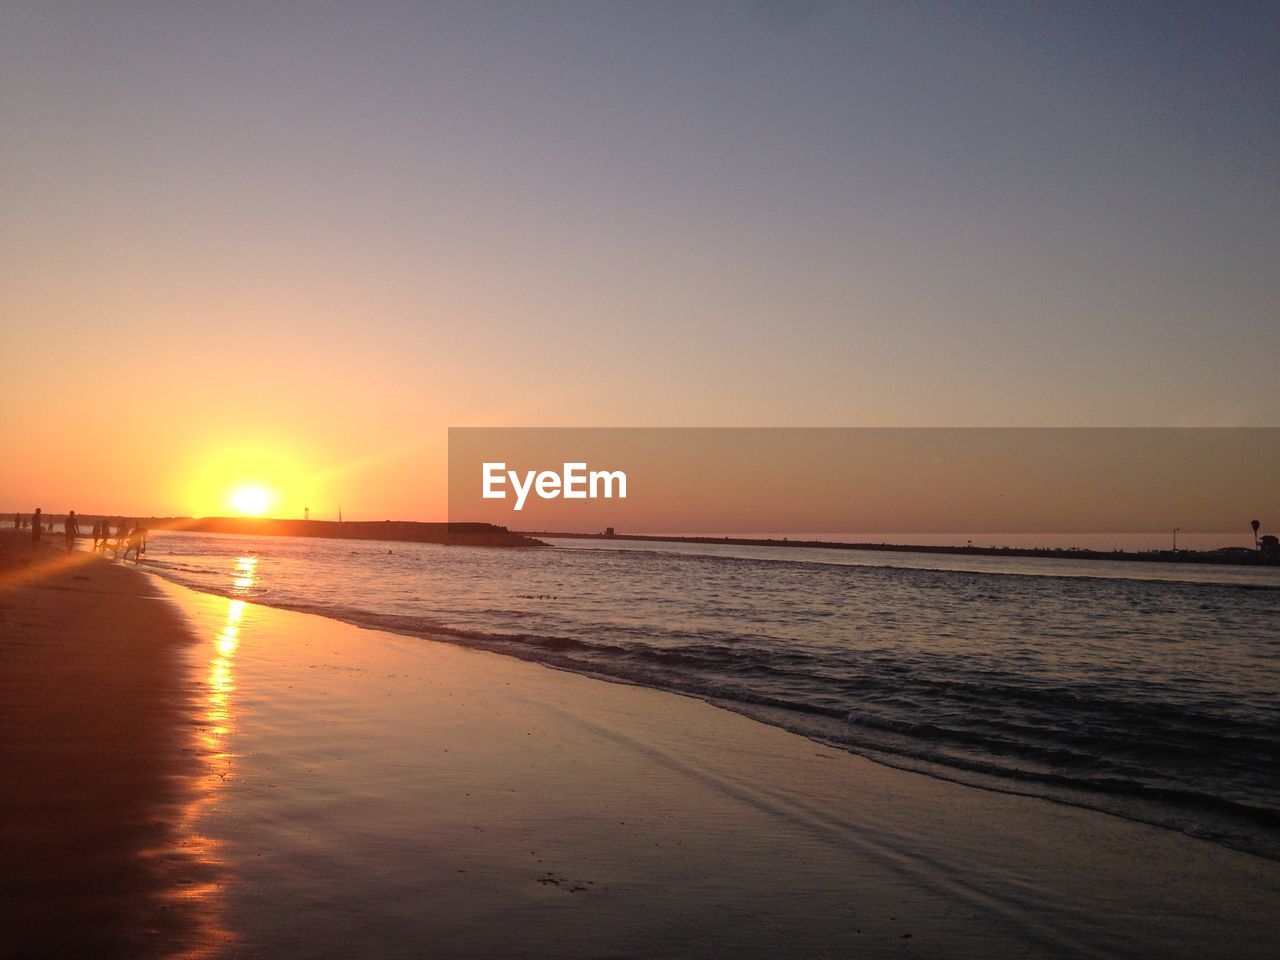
291	243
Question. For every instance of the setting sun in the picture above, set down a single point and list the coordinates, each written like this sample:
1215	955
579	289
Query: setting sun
248	475
252	501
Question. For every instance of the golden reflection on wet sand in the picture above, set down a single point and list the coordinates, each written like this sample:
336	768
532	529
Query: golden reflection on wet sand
214	730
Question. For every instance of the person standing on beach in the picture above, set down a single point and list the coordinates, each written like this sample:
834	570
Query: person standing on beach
71	528
134	542
36	524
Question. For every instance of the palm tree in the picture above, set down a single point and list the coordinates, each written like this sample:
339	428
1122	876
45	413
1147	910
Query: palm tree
1255	524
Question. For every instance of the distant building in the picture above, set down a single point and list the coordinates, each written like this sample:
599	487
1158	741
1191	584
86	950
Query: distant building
608	532
1269	547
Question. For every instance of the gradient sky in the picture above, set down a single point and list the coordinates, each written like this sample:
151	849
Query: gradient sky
293	242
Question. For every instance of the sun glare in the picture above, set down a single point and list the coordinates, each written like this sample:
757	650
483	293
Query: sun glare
252	501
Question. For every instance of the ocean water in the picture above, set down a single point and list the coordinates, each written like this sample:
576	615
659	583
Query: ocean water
1147	691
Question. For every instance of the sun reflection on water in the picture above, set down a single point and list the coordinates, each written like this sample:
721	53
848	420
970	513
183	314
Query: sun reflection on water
214	734
222	684
246	570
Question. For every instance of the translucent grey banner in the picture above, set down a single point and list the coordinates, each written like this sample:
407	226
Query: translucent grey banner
771	481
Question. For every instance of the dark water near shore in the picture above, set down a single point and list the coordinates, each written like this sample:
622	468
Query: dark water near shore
1149	698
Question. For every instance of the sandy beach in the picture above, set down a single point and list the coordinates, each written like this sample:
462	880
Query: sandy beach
95	704
189	775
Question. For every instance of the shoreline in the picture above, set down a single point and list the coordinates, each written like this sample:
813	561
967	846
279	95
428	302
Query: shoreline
1215	816
337	790
650	808
1128	808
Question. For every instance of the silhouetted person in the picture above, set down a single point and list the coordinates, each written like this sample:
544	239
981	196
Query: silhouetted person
36	526
134	542
71	528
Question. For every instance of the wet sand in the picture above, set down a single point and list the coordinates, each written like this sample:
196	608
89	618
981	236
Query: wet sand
95	707
322	790
374	789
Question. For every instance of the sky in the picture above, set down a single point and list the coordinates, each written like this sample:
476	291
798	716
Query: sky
290	244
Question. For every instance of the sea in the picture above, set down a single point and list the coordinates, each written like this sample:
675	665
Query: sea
1148	691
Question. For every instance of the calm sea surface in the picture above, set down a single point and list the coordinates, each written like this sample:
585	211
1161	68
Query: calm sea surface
1149	691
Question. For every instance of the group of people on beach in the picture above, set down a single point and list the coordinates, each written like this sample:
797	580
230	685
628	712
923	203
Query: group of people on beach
130	535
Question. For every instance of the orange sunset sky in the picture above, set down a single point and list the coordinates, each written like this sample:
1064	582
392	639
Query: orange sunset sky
288	246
